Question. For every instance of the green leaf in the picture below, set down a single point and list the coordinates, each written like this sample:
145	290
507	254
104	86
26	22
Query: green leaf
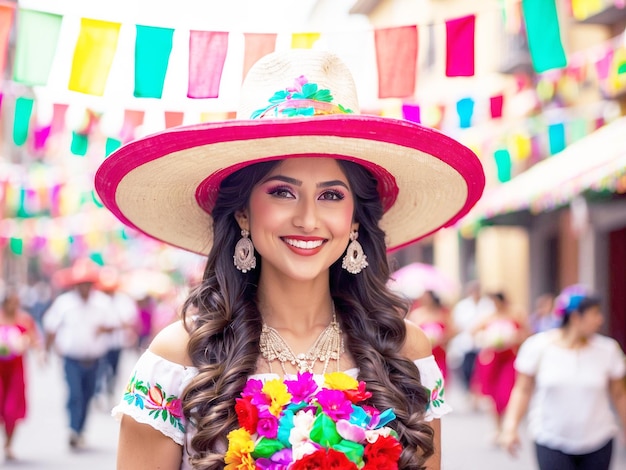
266	447
324	431
352	450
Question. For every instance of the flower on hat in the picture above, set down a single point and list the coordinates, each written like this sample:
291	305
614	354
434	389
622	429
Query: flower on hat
569	299
300	425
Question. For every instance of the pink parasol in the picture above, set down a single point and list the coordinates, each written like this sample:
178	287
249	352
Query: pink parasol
413	279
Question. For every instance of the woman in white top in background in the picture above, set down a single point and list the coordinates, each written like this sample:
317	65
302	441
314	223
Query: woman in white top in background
573	375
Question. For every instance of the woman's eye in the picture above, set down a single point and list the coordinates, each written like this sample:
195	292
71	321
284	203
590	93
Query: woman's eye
332	196
280	192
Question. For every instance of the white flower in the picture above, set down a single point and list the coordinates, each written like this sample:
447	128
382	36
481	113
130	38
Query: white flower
372	434
302	449
302	424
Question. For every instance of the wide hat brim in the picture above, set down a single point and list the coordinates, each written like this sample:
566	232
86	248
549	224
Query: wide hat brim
163	185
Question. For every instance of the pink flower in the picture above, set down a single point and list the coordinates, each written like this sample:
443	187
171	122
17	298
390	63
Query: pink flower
334	404
267	426
175	407
302	388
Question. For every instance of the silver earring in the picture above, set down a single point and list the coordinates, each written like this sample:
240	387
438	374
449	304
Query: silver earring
244	258
355	260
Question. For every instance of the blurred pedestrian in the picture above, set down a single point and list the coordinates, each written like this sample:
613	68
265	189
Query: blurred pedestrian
124	318
435	320
18	334
465	316
499	336
75	326
146	306
571	377
543	317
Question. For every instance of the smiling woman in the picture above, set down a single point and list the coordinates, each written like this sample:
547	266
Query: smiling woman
295	203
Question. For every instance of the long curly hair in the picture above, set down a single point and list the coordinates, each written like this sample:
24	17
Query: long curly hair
224	326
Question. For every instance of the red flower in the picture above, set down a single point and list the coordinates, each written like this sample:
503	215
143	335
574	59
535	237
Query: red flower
382	454
358	395
247	414
324	459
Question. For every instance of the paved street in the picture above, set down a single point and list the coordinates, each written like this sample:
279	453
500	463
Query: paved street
41	441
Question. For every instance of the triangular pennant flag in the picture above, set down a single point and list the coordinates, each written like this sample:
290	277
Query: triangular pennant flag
304	40
256	46
6	22
544	36
460	46
153	47
396	57
207	54
35	47
93	56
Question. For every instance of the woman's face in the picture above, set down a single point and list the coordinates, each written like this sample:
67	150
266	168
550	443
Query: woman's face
300	217
590	321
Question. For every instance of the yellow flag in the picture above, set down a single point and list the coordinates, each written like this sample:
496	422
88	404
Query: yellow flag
93	56
304	40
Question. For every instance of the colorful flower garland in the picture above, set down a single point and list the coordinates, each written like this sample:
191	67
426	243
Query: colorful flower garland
300	425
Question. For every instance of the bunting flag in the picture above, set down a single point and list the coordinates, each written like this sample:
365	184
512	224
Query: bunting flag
544	35
503	164
304	40
460	46
556	137
496	103
207	54
93	56
465	110
173	118
35	46
256	46
21	120
7	11
80	143
153	47
132	120
411	112
396	57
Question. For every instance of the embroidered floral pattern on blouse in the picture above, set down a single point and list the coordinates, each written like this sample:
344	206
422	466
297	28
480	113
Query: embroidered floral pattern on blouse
436	394
303	99
152	397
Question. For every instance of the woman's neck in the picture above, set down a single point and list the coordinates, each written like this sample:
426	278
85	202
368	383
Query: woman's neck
295	306
571	339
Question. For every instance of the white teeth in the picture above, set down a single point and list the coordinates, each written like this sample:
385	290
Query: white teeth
309	245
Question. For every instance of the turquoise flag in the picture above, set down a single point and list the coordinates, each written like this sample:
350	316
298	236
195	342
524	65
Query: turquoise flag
556	134
544	36
503	164
21	119
153	47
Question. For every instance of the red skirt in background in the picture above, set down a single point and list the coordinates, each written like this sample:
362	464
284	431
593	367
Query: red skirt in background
495	375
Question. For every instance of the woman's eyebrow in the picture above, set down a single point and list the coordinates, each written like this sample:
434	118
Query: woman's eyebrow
297	182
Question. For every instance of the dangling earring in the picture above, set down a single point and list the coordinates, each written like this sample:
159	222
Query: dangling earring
244	253
355	260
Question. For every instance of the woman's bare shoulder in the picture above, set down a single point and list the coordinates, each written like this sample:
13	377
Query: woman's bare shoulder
417	344
171	344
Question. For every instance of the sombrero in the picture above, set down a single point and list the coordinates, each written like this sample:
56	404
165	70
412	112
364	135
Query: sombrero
82	270
295	103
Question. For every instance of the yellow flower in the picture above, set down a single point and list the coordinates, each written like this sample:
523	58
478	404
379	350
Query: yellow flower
277	392
240	446
340	381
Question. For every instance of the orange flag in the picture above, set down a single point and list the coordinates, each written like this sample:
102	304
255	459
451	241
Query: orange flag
396	56
93	56
6	22
256	46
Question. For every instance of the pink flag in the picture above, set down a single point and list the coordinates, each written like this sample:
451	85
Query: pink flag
257	45
207	54
460	46
396	57
6	22
173	118
496	103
